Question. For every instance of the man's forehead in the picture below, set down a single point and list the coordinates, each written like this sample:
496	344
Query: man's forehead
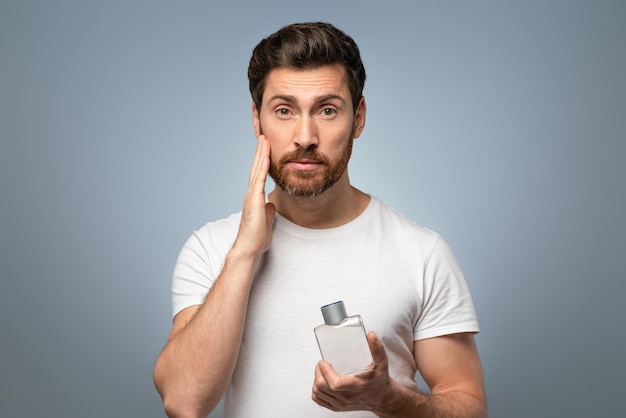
291	81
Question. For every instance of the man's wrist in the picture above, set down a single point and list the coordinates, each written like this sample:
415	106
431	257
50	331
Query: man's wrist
399	401
238	255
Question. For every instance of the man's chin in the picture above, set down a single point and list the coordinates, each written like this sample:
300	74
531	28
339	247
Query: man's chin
303	193
300	190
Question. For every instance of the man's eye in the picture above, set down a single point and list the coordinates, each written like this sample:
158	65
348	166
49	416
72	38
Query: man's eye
282	111
328	111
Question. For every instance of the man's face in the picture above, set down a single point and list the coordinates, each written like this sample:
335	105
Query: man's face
307	116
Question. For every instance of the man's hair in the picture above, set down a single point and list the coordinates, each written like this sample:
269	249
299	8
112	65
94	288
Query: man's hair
306	46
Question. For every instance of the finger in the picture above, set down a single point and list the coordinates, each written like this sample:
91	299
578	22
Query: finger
325	404
260	168
264	164
378	350
321	393
324	372
258	162
270	212
328	373
324	400
335	382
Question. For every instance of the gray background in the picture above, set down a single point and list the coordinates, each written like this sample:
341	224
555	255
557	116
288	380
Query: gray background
125	125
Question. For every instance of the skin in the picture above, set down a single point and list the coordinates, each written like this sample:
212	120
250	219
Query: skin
312	110
304	128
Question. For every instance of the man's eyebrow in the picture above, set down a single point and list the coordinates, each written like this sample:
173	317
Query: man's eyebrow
293	100
328	98
284	98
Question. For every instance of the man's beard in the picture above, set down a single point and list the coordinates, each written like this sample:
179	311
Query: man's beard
309	184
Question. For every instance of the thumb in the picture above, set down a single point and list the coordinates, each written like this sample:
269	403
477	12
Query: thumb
378	349
270	212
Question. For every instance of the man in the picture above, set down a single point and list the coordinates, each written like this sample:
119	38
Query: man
247	289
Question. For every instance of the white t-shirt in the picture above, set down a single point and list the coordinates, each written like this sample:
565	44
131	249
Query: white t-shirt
401	278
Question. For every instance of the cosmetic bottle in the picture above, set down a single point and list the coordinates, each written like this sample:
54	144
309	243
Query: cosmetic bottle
343	341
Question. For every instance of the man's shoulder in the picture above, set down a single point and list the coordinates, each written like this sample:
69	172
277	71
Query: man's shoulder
227	222
393	218
218	230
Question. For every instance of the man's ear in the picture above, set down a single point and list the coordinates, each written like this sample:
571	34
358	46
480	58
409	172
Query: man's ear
359	118
256	124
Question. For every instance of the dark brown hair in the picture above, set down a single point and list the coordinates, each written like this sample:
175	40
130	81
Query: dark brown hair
306	46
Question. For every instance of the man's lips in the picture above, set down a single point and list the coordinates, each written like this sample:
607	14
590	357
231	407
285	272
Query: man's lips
304	164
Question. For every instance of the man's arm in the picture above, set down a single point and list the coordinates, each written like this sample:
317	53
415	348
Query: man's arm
449	365
196	365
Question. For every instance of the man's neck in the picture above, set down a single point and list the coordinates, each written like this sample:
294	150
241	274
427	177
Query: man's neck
337	206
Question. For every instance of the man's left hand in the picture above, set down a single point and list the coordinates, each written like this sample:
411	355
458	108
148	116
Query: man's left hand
364	391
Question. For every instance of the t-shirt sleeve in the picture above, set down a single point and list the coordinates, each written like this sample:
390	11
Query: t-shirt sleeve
193	275
447	306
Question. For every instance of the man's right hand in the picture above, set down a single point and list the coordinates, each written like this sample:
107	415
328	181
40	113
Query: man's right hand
255	230
197	363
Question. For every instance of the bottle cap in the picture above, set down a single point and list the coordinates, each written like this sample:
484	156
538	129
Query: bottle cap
334	313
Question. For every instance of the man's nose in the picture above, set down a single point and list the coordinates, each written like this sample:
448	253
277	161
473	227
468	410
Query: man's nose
306	133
